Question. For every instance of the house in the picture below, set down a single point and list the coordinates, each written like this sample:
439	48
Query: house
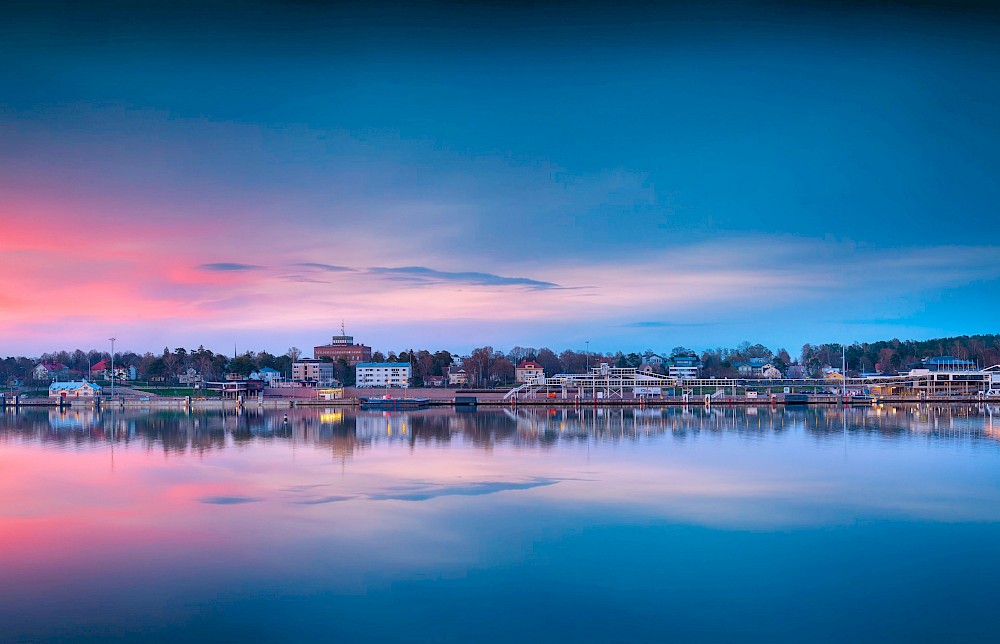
529	371
74	389
434	381
382	374
752	368
457	376
652	359
49	371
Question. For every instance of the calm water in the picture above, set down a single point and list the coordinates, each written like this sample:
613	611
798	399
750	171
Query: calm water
790	524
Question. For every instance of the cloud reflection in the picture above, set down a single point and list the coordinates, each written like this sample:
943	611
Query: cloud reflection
427	490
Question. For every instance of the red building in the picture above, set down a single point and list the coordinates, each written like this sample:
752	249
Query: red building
342	346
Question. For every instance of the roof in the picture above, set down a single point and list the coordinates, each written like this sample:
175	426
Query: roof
72	385
100	366
268	370
53	366
529	364
384	364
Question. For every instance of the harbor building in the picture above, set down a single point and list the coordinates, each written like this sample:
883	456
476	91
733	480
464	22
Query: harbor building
342	347
74	389
382	374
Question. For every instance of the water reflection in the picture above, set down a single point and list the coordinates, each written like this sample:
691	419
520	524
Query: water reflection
346	431
325	524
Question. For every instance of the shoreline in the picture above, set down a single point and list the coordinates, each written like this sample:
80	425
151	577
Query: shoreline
292	403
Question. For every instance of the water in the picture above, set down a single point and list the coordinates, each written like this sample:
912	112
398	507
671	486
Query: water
759	524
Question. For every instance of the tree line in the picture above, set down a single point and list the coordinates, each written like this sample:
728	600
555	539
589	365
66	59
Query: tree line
487	366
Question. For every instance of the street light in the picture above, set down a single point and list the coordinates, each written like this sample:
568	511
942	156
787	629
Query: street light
112	368
587	342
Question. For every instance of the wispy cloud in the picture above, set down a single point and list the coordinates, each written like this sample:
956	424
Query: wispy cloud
225	267
330	268
424	275
426	491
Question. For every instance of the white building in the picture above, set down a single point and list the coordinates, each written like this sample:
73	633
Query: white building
312	371
382	374
74	389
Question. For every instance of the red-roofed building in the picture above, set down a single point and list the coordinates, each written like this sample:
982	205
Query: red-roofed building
529	370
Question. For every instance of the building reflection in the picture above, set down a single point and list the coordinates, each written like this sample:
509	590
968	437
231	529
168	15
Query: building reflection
346	432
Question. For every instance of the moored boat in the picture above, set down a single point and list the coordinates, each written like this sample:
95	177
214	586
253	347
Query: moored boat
389	403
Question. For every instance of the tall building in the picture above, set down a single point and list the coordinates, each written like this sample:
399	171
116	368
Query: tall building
343	347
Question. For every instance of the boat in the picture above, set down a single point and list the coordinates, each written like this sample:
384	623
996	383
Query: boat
796	399
388	403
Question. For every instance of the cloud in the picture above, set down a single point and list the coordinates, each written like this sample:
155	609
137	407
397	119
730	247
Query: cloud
424	275
228	500
331	268
223	267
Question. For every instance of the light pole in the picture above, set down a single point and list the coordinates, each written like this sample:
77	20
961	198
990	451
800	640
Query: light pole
112	368
587	342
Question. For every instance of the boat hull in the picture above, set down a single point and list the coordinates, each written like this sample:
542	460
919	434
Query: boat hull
394	404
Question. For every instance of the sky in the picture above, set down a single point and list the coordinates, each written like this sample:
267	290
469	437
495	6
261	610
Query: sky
617	176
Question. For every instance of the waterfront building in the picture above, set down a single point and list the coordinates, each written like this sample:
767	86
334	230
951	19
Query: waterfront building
74	389
311	371
343	347
529	371
382	374
684	367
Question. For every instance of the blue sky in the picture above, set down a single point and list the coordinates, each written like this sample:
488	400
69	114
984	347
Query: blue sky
633	175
